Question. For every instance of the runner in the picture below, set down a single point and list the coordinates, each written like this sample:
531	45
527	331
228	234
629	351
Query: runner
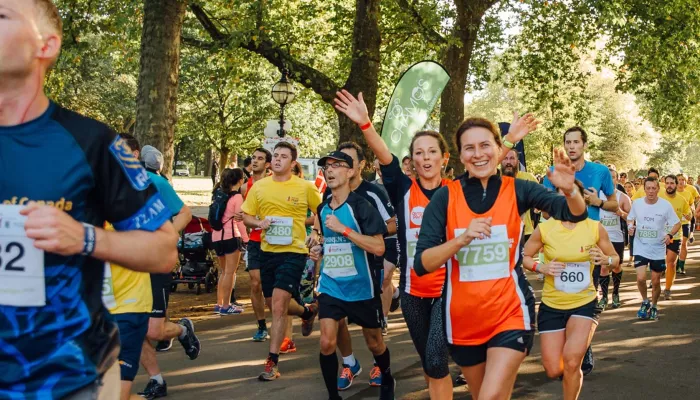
261	160
641	190
420	297
380	201
277	205
568	316
58	341
474	226
406	166
648	221
159	329
611	222
692	196
510	166
228	242
348	287
682	210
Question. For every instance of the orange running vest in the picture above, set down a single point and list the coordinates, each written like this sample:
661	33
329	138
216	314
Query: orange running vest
430	285
483	298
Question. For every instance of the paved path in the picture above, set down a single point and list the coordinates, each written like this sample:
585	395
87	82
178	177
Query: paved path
634	359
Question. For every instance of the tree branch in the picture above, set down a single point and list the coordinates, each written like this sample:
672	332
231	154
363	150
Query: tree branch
200	44
276	55
428	32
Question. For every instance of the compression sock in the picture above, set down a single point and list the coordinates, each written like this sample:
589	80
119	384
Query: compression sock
605	285
384	363
329	369
274	357
681	265
262	325
617	279
307	313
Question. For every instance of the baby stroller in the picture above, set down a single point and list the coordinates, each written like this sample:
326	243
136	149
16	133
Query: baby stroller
196	263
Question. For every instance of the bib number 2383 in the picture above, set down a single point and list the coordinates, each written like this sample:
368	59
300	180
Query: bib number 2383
280	231
487	259
576	277
22	281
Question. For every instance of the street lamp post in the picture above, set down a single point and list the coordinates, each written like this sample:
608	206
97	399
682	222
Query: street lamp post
283	94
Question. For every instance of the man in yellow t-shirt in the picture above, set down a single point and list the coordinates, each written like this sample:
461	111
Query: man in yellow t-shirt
510	167
653	173
682	209
692	196
277	205
127	295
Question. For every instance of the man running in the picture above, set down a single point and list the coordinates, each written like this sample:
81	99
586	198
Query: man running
647	222
277	205
348	287
682	210
510	166
260	165
58	341
611	221
692	196
651	173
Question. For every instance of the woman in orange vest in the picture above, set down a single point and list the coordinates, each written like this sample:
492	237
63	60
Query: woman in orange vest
420	295
568	315
473	225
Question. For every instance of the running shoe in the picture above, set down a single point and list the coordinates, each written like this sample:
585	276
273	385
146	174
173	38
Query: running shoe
375	377
386	392
643	312
288	346
231	310
347	375
154	390
164	345
588	362
307	325
217	309
385	328
654	314
602	303
261	335
678	269
461	380
616	300
681	272
395	302
237	304
271	373
190	342
667	295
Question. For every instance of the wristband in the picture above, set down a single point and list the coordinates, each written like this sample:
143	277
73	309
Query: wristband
366	126
573	192
89	240
347	232
534	266
610	260
507	144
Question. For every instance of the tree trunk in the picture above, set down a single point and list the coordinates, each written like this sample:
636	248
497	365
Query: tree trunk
156	103
223	161
208	158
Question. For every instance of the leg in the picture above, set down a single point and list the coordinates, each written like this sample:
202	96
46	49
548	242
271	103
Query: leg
578	333
328	358
641	279
222	279
256	294
656	287
226	282
552	348
234	261
475	377
500	372
437	357
387	287
671	258
604	282
344	339
280	307
416	313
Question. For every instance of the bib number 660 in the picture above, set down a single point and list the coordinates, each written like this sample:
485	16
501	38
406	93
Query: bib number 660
7	261
572	277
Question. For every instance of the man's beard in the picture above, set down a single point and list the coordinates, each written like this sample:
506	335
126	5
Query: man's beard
669	191
509	171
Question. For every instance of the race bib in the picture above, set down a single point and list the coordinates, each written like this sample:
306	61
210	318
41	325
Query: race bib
22	281
487	259
280	231
575	278
108	298
338	260
411	243
610	221
648	235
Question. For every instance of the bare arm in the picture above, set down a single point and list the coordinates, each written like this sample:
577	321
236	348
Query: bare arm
254	223
607	249
371	244
391	226
356	110
142	251
182	219
531	249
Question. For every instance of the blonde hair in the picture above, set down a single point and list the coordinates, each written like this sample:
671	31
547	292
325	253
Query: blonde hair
48	13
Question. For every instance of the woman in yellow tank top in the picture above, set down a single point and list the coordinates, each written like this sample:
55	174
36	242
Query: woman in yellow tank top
568	316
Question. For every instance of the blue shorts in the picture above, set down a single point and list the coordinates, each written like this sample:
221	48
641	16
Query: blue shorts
132	332
655	265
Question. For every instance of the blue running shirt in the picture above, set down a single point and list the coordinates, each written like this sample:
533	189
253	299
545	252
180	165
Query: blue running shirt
347	272
595	176
82	167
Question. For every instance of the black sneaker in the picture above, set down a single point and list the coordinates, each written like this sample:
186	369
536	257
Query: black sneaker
154	390
190	343
386	392
588	362
395	303
164	345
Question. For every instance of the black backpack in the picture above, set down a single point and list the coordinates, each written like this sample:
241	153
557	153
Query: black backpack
218	208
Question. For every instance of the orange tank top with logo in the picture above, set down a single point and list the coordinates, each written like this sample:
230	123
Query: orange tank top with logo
483	297
430	285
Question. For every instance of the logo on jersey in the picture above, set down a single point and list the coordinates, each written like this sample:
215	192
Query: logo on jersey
132	168
417	215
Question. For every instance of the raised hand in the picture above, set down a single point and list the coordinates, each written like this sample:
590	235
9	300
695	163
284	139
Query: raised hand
353	108
563	175
521	126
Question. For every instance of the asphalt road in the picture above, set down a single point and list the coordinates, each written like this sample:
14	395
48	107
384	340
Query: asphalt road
634	359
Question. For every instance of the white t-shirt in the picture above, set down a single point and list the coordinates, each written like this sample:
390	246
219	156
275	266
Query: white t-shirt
611	221
651	221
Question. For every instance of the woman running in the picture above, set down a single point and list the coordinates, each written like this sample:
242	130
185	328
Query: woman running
474	226
228	241
568	315
420	295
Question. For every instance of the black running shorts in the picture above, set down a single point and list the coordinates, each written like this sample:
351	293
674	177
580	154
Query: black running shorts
282	271
469	356
675	246
253	256
367	313
551	319
686	230
226	247
655	265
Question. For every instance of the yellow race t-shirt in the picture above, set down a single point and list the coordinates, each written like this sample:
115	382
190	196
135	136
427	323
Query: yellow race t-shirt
527	220
681	207
285	204
574	288
641	193
691	194
126	291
